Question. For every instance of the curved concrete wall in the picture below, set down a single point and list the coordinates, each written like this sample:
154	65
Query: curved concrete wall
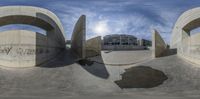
158	45
93	47
34	16
53	43
21	48
187	46
78	40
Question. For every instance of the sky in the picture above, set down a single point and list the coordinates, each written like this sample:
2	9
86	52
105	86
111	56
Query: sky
104	17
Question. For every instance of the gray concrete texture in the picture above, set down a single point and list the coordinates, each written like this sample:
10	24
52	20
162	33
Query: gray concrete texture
21	48
62	77
24	48
187	45
93	47
78	39
158	45
34	16
76	81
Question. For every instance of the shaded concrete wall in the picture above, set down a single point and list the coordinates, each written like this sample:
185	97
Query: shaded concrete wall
21	48
27	48
78	40
93	47
158	44
187	46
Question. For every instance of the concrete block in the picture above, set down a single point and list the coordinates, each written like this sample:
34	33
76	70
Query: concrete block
93	47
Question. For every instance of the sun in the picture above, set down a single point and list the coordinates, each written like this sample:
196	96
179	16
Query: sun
101	28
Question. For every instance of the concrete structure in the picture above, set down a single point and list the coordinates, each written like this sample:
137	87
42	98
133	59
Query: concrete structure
93	46
78	40
159	48
187	45
97	81
24	48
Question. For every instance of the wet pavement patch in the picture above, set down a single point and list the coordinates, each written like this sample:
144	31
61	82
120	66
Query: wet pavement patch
85	62
141	77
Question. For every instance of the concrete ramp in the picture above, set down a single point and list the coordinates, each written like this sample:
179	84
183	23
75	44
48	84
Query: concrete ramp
78	40
158	45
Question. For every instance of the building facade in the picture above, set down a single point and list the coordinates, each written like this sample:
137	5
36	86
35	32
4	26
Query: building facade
144	42
119	39
120	42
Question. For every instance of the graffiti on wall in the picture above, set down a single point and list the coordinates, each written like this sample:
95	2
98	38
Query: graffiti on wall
6	50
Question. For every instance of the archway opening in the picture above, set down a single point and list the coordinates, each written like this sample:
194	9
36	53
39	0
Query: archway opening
190	39
23	27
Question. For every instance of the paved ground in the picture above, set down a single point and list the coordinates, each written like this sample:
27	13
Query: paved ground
62	78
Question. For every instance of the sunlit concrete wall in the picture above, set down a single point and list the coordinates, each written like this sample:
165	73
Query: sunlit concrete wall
187	46
191	48
159	47
93	46
25	48
78	40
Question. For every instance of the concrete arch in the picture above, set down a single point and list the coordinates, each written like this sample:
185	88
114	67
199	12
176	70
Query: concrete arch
181	38
35	16
20	48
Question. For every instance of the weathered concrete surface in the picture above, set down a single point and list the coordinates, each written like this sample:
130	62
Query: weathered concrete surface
66	79
123	58
158	44
190	48
181	39
93	47
35	16
23	49
78	39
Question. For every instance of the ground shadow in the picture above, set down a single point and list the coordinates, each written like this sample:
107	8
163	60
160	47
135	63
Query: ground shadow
64	58
141	77
94	68
51	51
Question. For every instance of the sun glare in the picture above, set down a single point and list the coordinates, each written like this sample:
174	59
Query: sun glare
101	28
